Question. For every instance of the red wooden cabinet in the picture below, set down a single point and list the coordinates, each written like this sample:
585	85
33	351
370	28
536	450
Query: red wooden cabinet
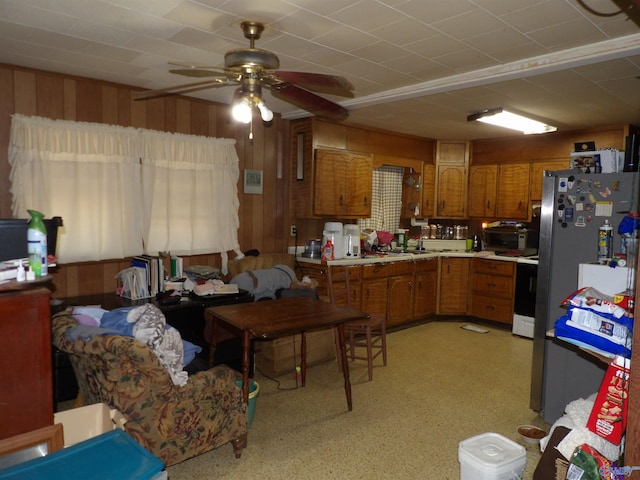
26	390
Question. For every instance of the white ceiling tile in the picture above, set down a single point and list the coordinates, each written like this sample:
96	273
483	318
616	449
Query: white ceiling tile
500	7
345	39
323	7
307	25
404	32
469	24
197	16
379	52
434	10
567	35
16	12
101	33
367	15
434	47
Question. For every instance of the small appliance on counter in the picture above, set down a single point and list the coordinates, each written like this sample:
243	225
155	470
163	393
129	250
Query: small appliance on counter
312	248
351	243
334	231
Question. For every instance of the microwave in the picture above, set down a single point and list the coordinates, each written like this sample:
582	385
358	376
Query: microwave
512	239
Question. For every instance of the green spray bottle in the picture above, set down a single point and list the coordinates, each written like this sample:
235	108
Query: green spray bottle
37	244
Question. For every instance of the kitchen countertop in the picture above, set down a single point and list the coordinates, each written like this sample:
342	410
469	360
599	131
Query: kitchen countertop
395	257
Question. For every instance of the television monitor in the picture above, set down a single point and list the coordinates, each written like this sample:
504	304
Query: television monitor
13	237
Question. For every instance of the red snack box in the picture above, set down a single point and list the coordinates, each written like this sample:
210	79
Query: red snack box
608	417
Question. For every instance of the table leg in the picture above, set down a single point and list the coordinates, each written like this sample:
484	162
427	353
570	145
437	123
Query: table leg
344	361
213	342
246	349
303	358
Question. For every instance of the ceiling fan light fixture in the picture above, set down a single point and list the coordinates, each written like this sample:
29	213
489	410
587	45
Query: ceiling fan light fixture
503	118
265	113
241	110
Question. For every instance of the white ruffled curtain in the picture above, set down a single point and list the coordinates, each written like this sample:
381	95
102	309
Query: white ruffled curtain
386	200
190	189
117	187
88	174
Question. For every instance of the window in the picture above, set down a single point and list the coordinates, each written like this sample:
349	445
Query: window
123	191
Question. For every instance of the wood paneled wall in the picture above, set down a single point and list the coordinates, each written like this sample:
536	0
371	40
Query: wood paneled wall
264	219
547	147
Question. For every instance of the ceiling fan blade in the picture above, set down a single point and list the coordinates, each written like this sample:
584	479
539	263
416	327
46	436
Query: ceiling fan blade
179	89
318	82
194	72
308	101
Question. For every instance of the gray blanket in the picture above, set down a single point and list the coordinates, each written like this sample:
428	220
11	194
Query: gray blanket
265	283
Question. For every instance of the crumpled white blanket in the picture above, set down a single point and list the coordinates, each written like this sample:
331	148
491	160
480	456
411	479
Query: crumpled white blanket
575	418
149	326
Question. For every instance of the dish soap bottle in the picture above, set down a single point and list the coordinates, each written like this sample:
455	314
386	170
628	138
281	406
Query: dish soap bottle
37	244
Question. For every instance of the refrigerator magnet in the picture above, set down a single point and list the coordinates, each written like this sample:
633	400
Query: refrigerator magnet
562	184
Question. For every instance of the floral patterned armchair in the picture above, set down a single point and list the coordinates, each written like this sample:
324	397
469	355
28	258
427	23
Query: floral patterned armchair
174	423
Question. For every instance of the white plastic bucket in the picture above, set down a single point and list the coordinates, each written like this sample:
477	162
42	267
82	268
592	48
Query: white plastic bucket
491	456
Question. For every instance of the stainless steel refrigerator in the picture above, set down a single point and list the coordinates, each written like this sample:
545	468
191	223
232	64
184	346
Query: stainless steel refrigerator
574	206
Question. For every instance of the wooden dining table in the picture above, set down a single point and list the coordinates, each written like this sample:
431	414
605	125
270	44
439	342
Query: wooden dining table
279	318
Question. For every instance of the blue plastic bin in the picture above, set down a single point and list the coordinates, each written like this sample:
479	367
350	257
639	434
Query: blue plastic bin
111	456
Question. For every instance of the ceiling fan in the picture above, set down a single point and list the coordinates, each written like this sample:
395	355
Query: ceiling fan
252	69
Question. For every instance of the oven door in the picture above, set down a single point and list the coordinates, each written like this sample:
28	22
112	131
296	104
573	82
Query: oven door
525	299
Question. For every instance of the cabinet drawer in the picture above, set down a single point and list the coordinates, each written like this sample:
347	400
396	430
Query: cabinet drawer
493	285
355	272
400	268
430	265
491	308
494	267
375	270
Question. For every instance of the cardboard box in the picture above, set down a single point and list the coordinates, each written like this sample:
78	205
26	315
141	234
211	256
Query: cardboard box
275	357
86	422
552	464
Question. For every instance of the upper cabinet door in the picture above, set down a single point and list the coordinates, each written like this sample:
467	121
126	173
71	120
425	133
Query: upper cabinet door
452	160
452	189
483	181
343	184
428	191
537	174
513	192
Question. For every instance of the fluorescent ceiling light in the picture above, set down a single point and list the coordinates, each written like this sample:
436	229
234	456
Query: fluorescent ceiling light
503	118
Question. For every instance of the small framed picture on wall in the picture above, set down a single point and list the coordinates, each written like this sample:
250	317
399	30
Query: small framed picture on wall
253	182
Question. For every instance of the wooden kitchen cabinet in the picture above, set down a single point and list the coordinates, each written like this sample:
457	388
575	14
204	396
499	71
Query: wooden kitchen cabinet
483	183
425	288
343	183
428	191
374	291
493	288
451	191
453	286
537	175
26	395
452	160
400	291
512	201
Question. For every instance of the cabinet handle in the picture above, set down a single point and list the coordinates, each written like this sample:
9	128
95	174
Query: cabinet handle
490	307
366	201
410	286
340	200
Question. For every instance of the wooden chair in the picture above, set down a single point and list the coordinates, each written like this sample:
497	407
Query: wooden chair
365	339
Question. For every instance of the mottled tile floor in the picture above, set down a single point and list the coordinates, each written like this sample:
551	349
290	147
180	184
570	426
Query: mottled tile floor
443	384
